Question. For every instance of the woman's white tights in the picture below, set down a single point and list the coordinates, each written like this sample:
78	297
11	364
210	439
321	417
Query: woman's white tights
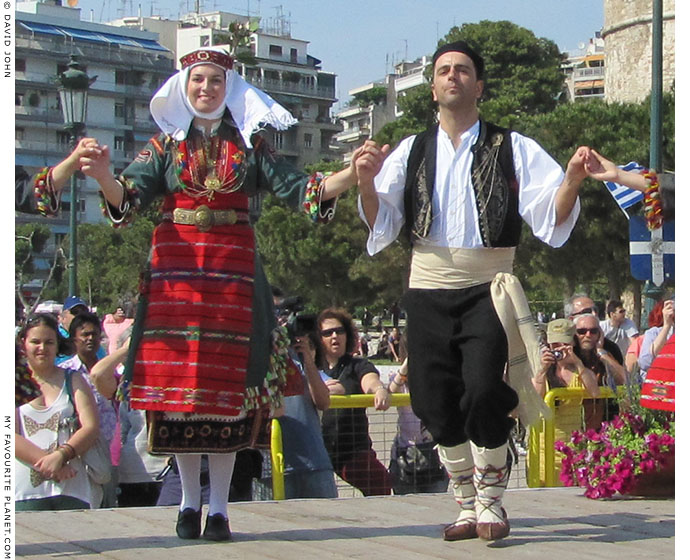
220	469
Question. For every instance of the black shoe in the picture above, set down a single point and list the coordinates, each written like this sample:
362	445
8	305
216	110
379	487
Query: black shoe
188	524
217	528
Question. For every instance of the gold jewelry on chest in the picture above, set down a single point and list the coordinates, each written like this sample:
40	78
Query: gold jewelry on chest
207	166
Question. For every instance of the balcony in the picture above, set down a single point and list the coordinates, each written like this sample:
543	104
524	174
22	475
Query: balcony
141	91
42	147
354	111
127	58
409	81
38	113
589	73
123	155
272	85
352	135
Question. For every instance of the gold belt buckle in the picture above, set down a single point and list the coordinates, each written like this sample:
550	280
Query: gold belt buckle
231	217
203	218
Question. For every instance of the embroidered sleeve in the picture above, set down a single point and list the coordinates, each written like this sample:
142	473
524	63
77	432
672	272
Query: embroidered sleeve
47	202
143	181
321	211
122	216
276	175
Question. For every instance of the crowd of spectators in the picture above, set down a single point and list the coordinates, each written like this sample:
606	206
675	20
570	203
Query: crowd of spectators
580	349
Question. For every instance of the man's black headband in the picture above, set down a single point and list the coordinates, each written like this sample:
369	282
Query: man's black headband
461	46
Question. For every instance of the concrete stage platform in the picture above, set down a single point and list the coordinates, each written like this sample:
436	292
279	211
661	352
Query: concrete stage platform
558	524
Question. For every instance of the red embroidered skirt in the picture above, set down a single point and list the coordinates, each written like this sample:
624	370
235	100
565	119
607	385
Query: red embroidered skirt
659	387
194	349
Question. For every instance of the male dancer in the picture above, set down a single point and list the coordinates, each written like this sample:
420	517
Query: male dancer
459	190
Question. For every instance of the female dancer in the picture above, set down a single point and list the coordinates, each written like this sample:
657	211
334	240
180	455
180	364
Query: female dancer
203	356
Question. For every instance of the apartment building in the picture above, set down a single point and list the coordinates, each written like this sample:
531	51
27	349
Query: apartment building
585	71
376	104
129	65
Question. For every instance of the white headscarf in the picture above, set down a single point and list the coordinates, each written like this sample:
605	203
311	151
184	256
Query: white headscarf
250	107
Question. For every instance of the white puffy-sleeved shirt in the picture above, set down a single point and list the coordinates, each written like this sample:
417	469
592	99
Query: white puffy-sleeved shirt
455	220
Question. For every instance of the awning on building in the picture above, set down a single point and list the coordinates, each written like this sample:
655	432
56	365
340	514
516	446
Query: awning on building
41	28
86	35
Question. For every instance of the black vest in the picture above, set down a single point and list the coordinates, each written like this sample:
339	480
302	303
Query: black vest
493	180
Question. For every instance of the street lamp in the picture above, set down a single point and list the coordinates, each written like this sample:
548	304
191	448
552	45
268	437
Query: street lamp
73	89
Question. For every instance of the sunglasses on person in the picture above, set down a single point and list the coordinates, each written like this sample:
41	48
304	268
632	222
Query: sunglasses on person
335	330
583	331
586	311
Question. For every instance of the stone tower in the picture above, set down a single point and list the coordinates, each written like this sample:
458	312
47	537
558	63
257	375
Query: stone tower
627	37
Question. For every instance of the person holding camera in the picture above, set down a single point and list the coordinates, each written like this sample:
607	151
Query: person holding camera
308	469
560	364
308	472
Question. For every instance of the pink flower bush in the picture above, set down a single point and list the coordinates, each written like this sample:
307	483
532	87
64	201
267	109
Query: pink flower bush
608	460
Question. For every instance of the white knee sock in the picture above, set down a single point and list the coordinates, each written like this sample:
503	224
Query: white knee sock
189	467
460	466
490	481
220	469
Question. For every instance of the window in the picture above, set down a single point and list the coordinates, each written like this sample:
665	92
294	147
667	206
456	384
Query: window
81	205
19	134
308	138
278	140
20	65
293	55
275	50
18	99
205	41
63	139
119	143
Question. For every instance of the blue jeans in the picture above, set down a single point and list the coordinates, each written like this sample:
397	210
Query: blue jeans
311	484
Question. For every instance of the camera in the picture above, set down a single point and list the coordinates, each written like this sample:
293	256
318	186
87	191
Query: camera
558	354
296	322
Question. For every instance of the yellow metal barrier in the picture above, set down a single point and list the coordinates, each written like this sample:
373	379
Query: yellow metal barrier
366	401
277	460
337	401
547	428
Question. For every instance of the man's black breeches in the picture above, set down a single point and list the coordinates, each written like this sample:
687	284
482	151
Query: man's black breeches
457	355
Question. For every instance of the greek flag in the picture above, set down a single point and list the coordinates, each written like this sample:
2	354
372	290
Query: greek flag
625	197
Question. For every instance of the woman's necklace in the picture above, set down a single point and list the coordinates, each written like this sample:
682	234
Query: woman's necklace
211	149
206	166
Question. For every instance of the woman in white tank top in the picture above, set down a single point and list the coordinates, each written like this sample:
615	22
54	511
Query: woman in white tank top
49	472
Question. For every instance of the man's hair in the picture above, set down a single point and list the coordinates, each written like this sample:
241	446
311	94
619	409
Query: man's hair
84	319
346	320
463	47
568	305
579	318
613	305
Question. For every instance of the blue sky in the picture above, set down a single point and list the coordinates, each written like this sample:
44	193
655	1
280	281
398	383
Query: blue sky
356	39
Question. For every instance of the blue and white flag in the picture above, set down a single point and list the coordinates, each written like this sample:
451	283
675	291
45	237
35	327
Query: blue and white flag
624	196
